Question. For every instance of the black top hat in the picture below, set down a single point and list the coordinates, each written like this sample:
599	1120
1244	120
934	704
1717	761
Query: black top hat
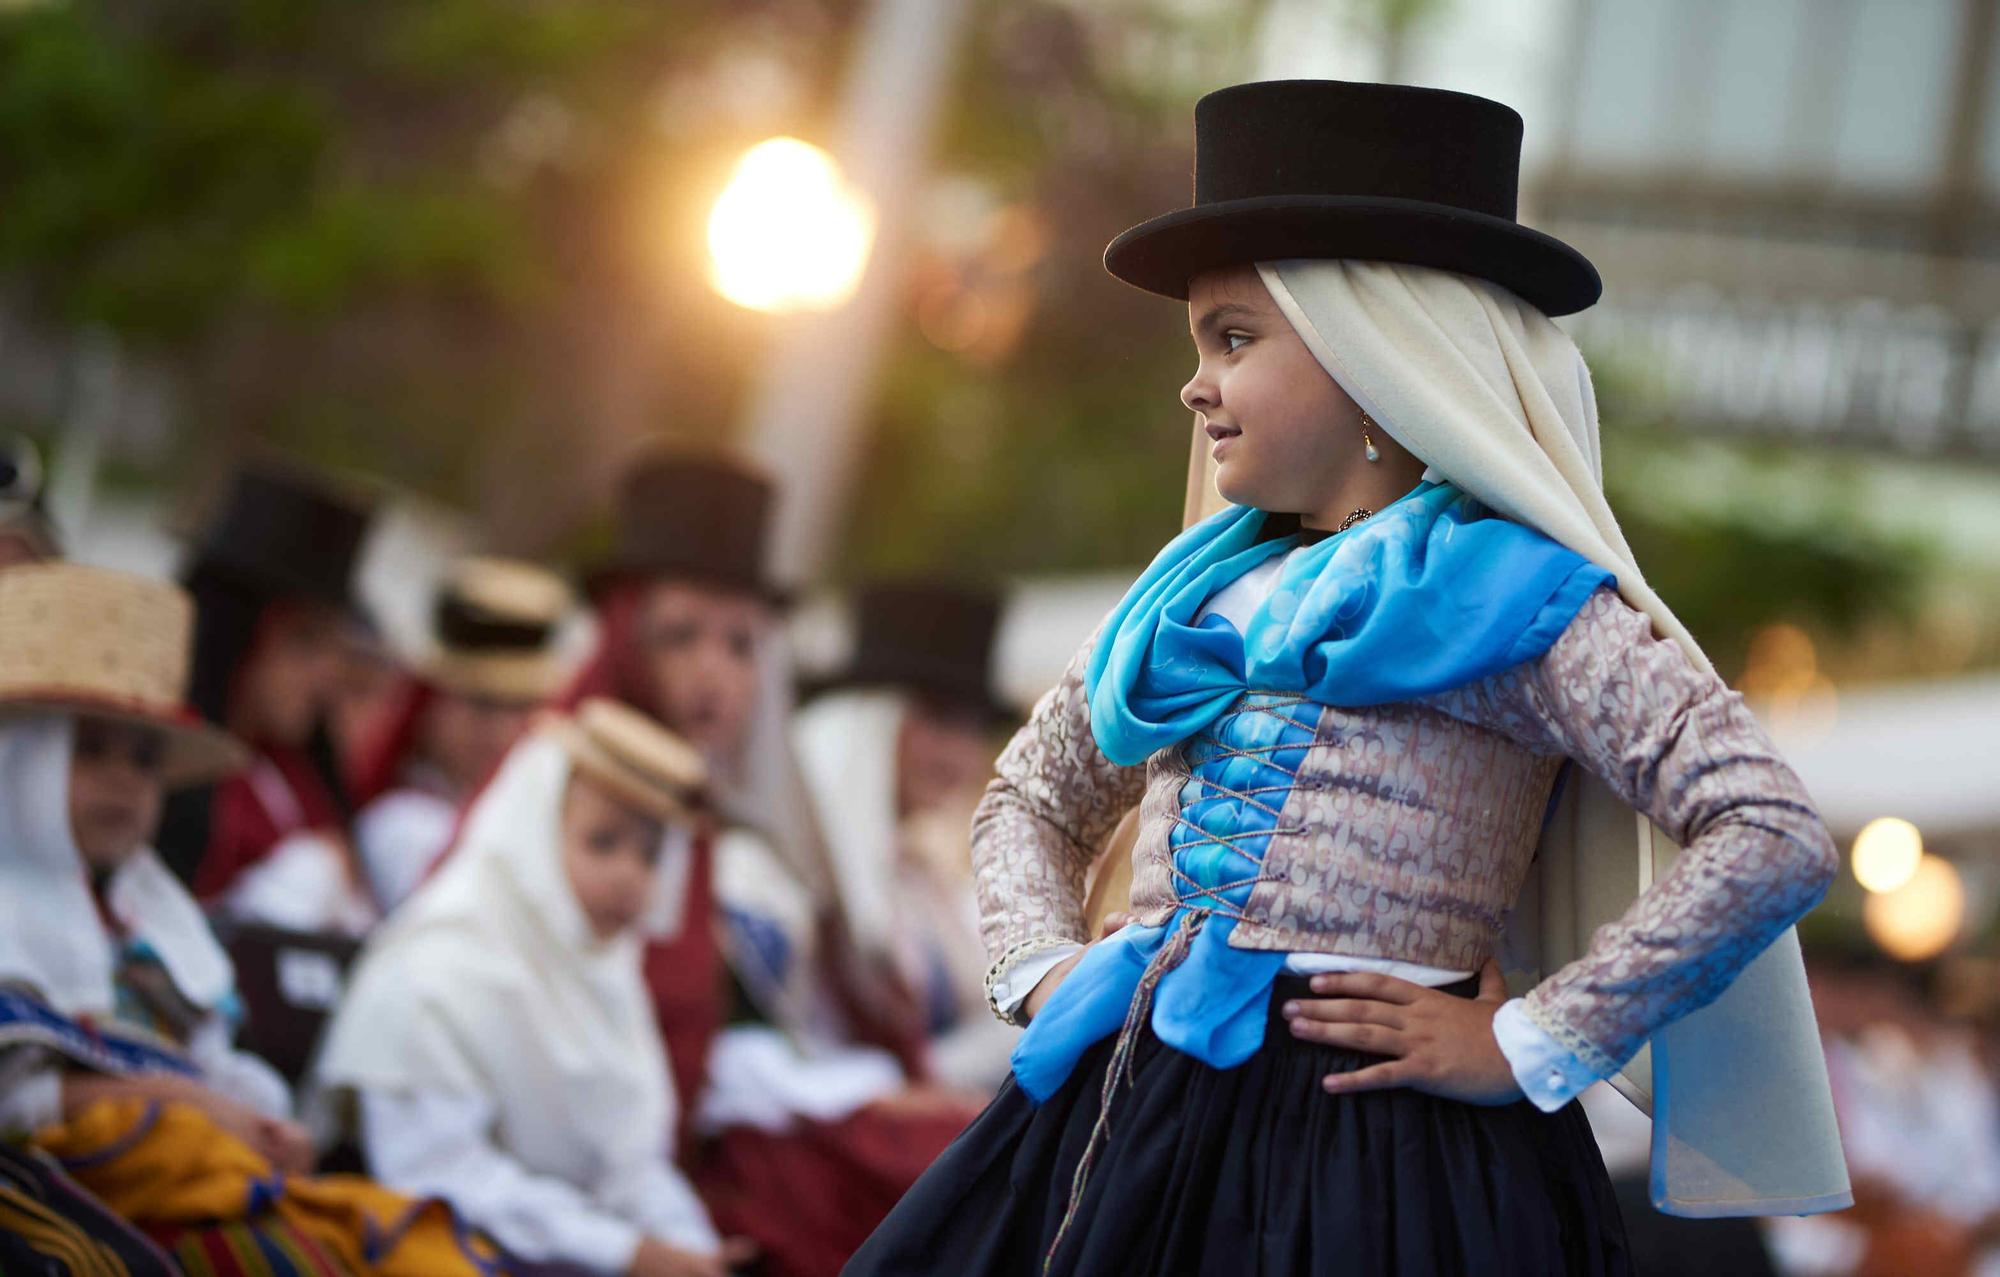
279	532
1324	168
931	638
703	517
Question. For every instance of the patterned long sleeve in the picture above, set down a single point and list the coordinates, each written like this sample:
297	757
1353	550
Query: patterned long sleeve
1053	801
1682	748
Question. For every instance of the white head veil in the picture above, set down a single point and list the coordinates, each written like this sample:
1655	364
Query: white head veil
51	935
1489	392
490	982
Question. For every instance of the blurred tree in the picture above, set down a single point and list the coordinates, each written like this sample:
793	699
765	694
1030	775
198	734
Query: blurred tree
417	238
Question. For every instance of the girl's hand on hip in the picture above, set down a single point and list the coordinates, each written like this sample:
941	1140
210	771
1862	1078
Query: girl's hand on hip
1436	1042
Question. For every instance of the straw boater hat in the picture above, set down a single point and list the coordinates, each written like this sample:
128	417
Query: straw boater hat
110	644
635	758
495	624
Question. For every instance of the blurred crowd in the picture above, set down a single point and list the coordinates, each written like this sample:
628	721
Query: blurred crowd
641	955
647	959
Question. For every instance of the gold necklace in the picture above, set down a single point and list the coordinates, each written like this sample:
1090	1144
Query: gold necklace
1354	518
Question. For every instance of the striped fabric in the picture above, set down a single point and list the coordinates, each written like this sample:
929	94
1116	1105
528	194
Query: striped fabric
49	1225
267	1248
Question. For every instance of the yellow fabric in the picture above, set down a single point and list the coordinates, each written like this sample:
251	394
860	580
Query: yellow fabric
170	1164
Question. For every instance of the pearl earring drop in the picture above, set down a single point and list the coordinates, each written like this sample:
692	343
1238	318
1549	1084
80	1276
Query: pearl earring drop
1372	452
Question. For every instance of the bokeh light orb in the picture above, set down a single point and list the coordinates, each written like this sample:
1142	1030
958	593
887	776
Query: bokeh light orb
1920	918
788	232
1886	854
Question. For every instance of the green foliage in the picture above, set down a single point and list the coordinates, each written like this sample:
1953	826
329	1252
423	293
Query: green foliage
134	180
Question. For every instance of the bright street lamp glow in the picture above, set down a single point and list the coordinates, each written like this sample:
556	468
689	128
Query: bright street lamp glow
1886	852
1919	919
788	232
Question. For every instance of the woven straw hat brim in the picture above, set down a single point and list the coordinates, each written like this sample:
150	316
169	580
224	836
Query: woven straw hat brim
1163	254
649	794
198	752
514	678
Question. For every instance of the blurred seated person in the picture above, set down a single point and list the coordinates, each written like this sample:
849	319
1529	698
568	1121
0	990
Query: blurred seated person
116	1003
498	1041
493	662
896	750
271	583
802	1067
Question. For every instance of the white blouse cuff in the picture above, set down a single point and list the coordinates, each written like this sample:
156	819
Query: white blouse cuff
1548	1073
1019	980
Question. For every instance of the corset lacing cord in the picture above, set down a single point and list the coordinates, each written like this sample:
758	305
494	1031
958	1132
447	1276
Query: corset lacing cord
1196	906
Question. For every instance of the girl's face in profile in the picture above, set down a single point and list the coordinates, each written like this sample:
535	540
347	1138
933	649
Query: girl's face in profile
700	647
610	852
1284	433
115	789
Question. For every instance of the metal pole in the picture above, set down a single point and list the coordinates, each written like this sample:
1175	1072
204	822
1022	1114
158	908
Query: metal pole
807	413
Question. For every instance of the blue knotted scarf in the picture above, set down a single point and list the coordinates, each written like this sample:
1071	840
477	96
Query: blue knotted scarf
1431	593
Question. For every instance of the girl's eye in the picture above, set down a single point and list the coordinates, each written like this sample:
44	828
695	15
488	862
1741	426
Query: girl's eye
1235	341
742	644
603	841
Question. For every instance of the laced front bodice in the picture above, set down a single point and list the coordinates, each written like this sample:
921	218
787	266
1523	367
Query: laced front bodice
1241	771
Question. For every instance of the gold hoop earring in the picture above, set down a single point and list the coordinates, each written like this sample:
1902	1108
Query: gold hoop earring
1372	452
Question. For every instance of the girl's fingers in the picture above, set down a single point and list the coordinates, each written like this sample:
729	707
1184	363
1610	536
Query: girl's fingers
1347	1010
1376	1077
1372	1038
1369	984
1492	984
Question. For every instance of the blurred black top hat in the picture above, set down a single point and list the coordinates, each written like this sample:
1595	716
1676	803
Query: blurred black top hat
279	532
1326	168
930	638
701	516
23	510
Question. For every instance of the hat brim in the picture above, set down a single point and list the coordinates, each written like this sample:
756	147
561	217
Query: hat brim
620	572
526	679
1163	254
623	780
198	752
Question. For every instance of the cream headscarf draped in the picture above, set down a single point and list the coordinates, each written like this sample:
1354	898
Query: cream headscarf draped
1487	391
489	982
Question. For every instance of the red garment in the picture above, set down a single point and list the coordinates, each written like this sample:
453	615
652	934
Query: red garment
381	761
686	979
812	1195
242	827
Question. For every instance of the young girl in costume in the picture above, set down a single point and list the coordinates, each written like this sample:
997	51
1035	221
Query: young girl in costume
498	1037
1366	712
493	663
116	1004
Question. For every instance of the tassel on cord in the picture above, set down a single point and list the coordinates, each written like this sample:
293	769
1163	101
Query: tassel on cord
1119	1069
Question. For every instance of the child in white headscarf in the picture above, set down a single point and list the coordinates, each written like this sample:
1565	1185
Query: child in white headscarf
498	1036
95	932
116	1003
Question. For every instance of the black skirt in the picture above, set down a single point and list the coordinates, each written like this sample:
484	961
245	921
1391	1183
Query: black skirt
1257	1171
